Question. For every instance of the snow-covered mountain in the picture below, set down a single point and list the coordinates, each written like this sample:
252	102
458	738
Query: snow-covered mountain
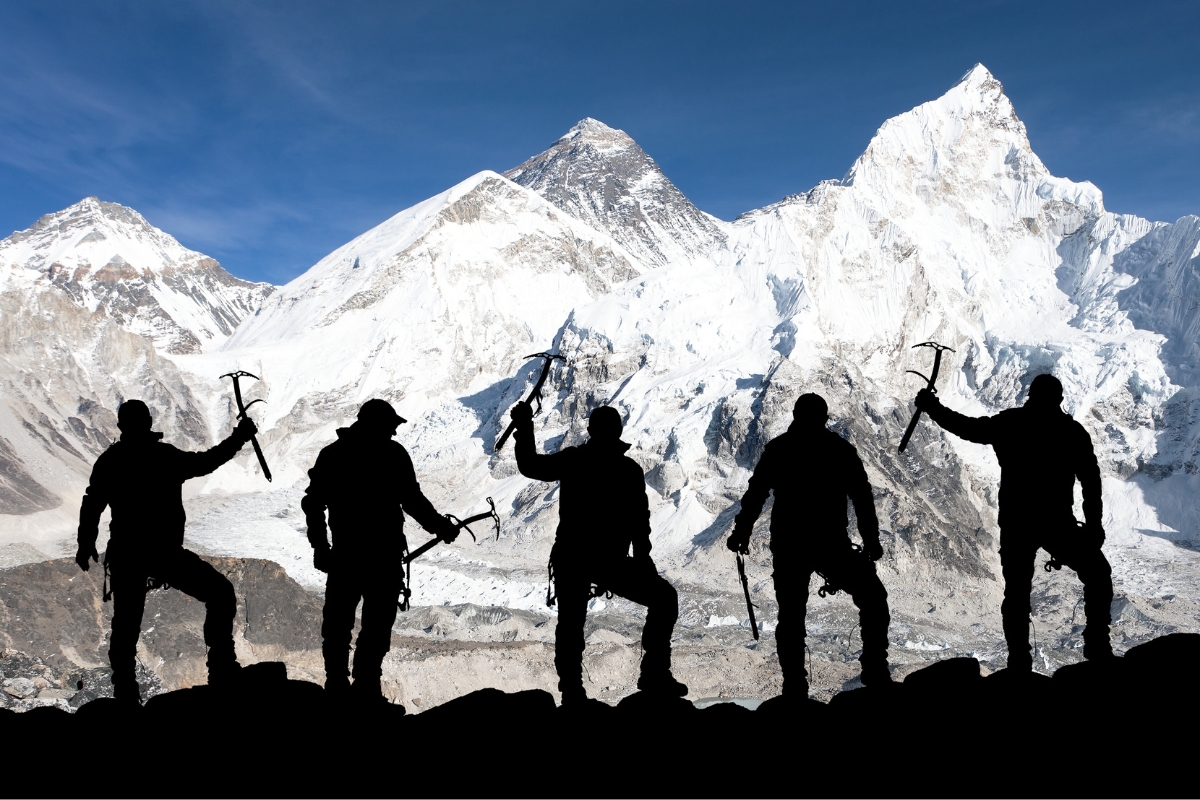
106	256
95	302
703	332
601	176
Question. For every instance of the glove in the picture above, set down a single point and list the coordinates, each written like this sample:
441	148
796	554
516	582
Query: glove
739	541
872	549
522	414
245	429
447	531
1093	534
323	559
927	401
84	553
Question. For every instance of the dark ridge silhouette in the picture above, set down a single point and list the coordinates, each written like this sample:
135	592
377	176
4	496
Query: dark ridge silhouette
366	481
141	479
1042	451
603	512
944	731
812	471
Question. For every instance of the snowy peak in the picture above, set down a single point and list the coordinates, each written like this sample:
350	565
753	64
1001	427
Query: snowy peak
966	152
600	175
106	256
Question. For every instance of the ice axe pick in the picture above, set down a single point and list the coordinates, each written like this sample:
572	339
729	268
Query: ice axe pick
237	395
937	365
535	395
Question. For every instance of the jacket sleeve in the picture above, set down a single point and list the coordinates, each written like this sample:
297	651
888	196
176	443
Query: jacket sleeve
859	490
761	483
413	500
95	500
1087	469
316	500
193	465
639	517
982	430
531	463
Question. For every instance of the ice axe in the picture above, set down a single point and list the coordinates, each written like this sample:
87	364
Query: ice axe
741	564
536	394
461	524
937	365
237	395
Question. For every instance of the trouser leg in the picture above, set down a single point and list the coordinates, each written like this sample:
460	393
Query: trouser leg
129	604
568	632
638	580
337	625
1016	564
791	595
375	636
193	576
1096	575
851	571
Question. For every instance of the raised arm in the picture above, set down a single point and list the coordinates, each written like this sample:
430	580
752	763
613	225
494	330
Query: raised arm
982	430
531	463
193	465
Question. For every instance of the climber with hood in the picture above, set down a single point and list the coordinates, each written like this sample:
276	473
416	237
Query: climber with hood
141	479
603	513
366	482
812	471
1042	451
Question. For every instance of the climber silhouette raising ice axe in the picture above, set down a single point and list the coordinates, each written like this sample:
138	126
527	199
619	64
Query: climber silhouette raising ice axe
536	394
937	365
237	395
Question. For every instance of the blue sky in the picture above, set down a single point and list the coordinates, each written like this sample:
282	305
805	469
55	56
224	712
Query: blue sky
267	134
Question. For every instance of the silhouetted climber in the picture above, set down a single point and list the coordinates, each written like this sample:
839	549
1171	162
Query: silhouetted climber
812	471
602	511
367	482
1041	451
141	479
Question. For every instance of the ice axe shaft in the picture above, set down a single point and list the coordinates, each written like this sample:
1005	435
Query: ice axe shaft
937	366
237	395
461	524
741	564
536	394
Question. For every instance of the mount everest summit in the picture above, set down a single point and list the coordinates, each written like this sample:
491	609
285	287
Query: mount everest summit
701	332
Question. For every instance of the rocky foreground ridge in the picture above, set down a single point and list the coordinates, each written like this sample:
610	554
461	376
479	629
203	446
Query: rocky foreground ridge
946	730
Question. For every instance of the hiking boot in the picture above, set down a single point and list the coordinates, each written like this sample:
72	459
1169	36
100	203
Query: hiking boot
875	674
367	693
337	688
662	683
573	696
1098	650
224	676
127	691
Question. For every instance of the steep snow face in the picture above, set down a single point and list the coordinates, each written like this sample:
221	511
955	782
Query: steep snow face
601	176
439	302
107	257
